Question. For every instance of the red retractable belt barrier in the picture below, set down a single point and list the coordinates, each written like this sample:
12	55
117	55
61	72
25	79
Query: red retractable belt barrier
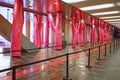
18	20
93	30
107	32
101	31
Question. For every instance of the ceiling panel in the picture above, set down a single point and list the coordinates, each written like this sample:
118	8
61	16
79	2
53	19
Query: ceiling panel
88	3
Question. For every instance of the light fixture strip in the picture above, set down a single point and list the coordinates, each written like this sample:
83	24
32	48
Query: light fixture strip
95	7
105	13
73	1
110	17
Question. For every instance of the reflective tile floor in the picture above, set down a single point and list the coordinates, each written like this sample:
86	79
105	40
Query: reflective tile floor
105	69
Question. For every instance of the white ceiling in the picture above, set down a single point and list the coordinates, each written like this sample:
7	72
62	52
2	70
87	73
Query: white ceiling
109	10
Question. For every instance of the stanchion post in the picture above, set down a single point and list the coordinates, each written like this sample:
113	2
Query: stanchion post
67	68
99	55
110	47
13	73
89	60
105	50
114	45
119	42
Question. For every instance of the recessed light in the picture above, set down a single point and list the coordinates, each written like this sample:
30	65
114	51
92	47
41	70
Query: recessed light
95	7
73	1
110	17
105	13
113	20
118	4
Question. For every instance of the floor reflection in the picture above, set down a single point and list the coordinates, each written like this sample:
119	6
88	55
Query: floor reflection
55	68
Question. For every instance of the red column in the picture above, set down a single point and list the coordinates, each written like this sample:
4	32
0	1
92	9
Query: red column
38	24
18	20
101	31
93	30
91	34
56	29
74	33
56	6
37	30
107	32
75	19
87	26
81	29
47	33
87	29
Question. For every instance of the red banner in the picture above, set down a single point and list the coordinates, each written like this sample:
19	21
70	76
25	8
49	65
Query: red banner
18	20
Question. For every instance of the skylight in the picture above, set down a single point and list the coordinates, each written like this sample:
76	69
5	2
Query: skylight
95	7
105	13
73	1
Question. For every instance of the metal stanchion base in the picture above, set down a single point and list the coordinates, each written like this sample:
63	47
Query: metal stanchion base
99	59
67	79
110	52
88	66
105	54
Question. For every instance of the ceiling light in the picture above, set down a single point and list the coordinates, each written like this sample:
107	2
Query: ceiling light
73	1
118	4
105	13
113	20
95	7
110	17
